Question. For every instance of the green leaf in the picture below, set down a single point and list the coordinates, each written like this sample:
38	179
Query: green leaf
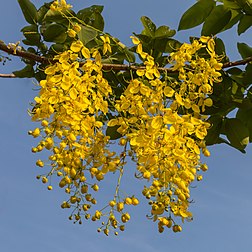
29	11
246	6
86	12
87	34
238	78
236	16
57	48
216	21
166	45
231	4
196	14
55	33
40	75
215	130
92	16
97	21
248	75
129	56
149	27
26	72
220	47
245	104
249	93
234	71
237	133
113	133
222	140
244	50
245	115
144	38
222	97
164	32
42	11
234	87
31	34
244	24
43	47
57	17
31	50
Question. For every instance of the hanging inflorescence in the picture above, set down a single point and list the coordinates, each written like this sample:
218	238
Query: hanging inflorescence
160	121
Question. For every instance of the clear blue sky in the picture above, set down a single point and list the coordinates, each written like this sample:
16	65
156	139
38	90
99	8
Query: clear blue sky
30	216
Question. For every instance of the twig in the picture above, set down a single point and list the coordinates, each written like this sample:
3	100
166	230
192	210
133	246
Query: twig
237	63
24	54
115	67
7	75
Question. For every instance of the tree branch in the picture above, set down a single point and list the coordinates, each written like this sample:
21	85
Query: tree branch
15	51
7	75
10	49
237	63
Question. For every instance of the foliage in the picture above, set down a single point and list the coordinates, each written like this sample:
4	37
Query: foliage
162	110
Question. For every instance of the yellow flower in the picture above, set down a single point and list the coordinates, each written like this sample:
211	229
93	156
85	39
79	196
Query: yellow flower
204	39
168	91
76	27
106	44
85	52
60	5
135	40
157	122
71	33
139	50
76	46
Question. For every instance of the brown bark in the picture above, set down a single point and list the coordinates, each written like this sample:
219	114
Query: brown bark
116	67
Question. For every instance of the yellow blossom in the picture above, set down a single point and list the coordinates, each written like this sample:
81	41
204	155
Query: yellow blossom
106	44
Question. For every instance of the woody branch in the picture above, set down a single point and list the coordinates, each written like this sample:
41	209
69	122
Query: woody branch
117	67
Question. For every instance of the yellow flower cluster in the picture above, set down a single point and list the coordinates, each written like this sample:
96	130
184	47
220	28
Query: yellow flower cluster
167	144
106	44
60	5
72	99
197	74
161	125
